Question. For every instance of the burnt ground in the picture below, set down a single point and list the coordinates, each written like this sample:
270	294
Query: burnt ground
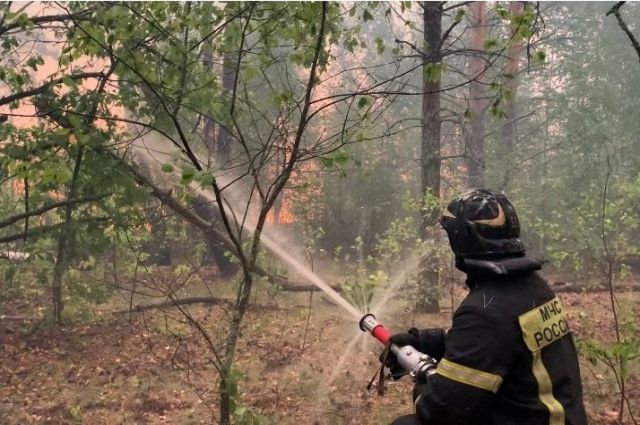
153	370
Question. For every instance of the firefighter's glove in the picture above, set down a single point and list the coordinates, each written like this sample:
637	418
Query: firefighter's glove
428	341
401	339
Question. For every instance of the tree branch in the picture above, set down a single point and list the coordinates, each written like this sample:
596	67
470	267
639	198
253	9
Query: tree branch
37	90
47	207
36	20
40	230
616	11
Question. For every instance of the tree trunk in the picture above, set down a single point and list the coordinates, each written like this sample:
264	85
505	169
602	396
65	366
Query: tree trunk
218	140
511	71
216	137
210	213
223	142
158	247
225	402
227	381
65	235
431	160
477	97
431	109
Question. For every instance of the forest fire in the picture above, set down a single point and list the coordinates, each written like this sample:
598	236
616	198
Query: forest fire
214	193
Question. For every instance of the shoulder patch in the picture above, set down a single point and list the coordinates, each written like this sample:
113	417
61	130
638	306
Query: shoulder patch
543	325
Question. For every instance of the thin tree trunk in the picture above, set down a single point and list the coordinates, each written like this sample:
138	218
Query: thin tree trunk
477	97
218	140
249	262
223	141
216	137
511	71
65	235
431	160
431	123
225	401
226	379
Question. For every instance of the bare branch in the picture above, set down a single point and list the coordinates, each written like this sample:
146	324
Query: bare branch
456	5
616	11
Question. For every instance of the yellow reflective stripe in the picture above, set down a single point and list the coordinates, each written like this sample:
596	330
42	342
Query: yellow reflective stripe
543	325
545	390
466	375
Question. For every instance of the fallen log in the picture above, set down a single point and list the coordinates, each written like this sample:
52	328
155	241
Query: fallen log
190	301
561	286
298	287
176	302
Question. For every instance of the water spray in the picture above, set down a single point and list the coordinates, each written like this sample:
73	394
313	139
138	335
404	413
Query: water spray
410	359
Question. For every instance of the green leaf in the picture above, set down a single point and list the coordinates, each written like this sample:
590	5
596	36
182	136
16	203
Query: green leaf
286	97
501	11
367	16
404	5
433	71
249	72
362	102
540	57
68	81
379	45
24	21
34	61
350	43
490	43
167	168
341	157
188	173
76	122
204	177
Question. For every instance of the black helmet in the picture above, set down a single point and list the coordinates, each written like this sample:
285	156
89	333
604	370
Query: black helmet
482	223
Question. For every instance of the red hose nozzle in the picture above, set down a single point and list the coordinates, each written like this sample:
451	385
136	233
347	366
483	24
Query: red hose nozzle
368	323
410	359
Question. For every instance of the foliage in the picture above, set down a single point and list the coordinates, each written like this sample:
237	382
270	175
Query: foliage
617	360
581	142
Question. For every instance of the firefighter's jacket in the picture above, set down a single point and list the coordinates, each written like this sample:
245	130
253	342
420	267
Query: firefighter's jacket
509	358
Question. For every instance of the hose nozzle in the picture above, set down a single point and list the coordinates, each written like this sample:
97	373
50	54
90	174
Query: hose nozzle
368	323
410	359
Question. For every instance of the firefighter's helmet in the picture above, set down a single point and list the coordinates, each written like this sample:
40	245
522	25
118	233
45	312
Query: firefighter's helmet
482	223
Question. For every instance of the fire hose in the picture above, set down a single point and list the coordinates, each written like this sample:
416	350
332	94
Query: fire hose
414	362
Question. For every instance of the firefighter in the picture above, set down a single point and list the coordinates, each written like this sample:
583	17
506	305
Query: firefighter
509	357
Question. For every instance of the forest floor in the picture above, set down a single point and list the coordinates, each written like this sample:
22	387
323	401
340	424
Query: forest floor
295	365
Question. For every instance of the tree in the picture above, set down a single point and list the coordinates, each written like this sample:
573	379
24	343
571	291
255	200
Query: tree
160	78
56	164
511	72
477	97
431	123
